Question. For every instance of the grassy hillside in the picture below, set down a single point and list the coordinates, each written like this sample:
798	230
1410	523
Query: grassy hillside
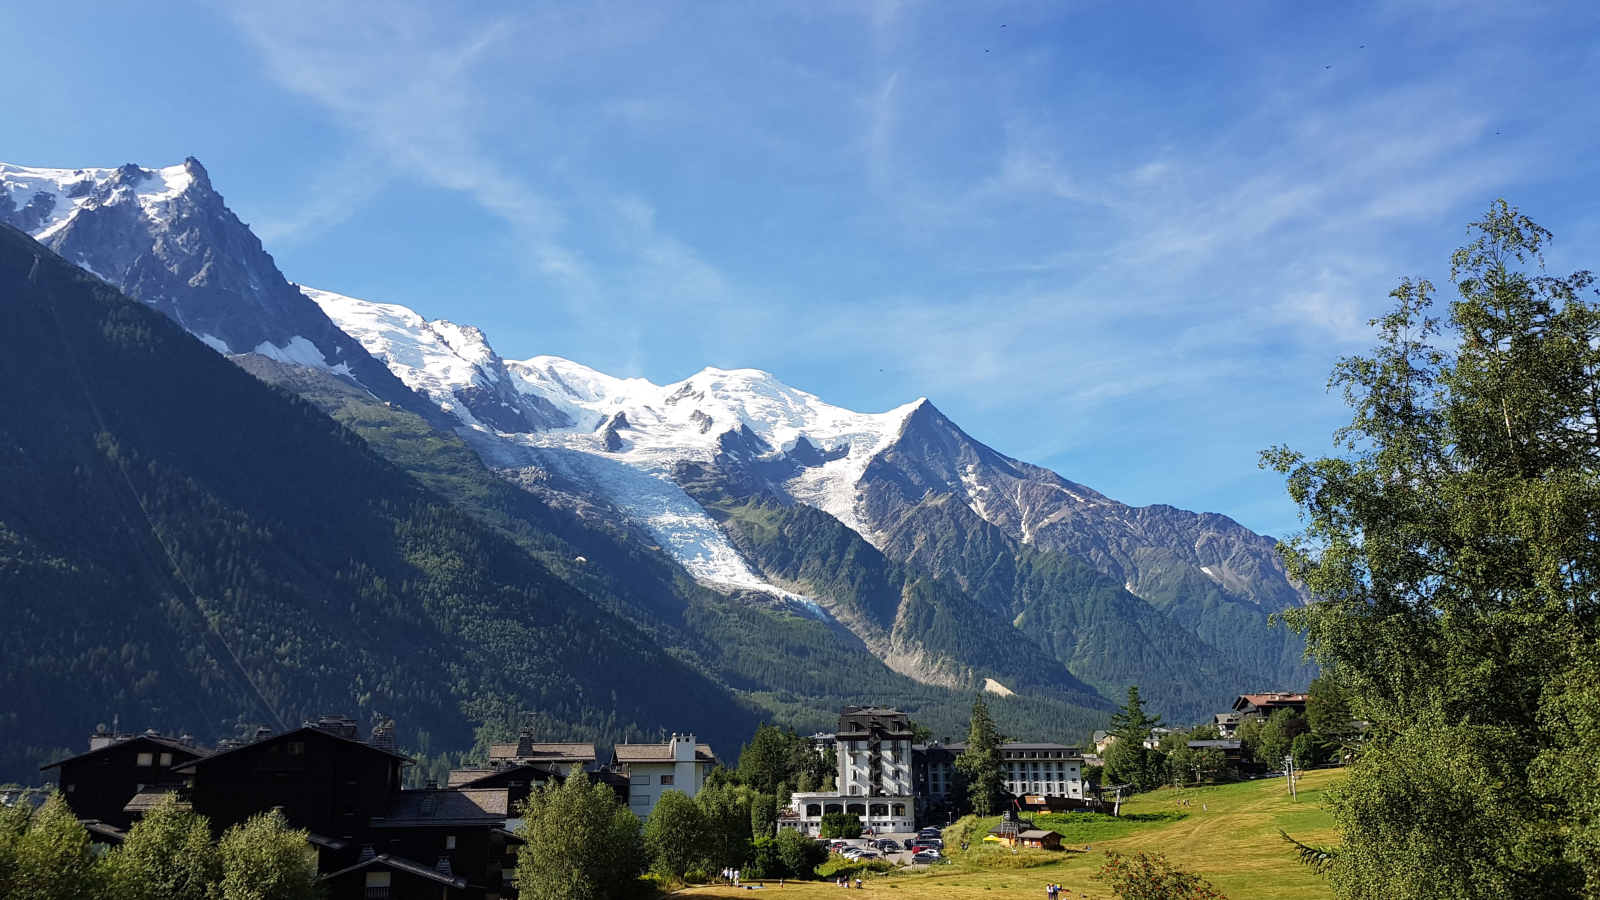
186	547
1228	833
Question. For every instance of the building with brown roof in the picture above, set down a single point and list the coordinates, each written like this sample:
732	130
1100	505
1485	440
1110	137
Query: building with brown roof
675	764
560	758
1263	705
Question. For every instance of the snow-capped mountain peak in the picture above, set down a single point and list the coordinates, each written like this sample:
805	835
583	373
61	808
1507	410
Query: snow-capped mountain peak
42	201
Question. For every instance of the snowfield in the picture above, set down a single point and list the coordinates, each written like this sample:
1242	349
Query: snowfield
624	437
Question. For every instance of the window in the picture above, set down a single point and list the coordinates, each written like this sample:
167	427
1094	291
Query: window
859	809
145	759
449	842
813	810
166	759
639	779
377	886
666	779
899	809
639	800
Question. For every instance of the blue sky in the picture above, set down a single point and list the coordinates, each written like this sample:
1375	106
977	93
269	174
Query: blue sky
1124	240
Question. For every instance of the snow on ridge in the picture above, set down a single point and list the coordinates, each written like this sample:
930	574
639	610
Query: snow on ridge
628	435
69	190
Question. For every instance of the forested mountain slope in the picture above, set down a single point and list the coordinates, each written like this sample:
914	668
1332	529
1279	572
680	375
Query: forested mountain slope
189	548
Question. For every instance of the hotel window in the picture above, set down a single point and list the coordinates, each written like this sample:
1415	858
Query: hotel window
666	779
145	759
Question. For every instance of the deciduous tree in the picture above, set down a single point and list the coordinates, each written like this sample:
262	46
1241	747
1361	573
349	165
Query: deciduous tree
580	843
1452	553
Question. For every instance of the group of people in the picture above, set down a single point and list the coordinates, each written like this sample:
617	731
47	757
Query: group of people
1053	891
731	876
844	881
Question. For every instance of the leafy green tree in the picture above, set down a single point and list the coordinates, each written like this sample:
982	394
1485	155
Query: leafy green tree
580	843
170	855
265	859
726	811
51	859
1145	876
980	762
841	825
1206	732
1308	750
675	835
1276	739
1249	736
1328	709
800	854
1451	552
763	816
13	825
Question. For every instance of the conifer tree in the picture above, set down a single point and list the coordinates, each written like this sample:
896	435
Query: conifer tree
980	762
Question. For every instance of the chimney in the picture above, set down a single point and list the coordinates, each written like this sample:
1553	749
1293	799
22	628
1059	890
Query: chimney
443	866
383	736
433	785
525	741
101	738
187	740
366	853
262	733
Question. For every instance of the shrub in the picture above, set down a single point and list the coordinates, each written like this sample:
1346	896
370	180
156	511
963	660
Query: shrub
1145	876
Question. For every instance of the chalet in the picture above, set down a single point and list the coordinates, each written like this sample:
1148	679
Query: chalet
320	776
1261	706
677	764
1014	831
380	876
122	773
460	832
1231	749
562	759
1227	723
517	780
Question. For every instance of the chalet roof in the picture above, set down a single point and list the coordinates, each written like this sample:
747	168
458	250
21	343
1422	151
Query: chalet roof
642	753
320	841
302	732
148	796
154	740
1034	834
1246	701
461	806
468	777
103	830
401	864
562	752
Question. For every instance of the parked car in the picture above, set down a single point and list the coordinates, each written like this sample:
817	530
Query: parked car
929	855
886	845
930	831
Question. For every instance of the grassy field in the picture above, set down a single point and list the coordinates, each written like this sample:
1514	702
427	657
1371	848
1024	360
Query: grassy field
1228	833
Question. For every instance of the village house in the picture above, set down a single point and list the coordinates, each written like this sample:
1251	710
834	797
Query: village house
562	759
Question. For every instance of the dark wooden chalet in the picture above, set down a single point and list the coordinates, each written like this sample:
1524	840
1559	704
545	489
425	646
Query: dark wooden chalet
103	784
319	776
380	876
454	830
517	781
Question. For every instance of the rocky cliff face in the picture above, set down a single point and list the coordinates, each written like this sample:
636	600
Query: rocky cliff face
166	238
